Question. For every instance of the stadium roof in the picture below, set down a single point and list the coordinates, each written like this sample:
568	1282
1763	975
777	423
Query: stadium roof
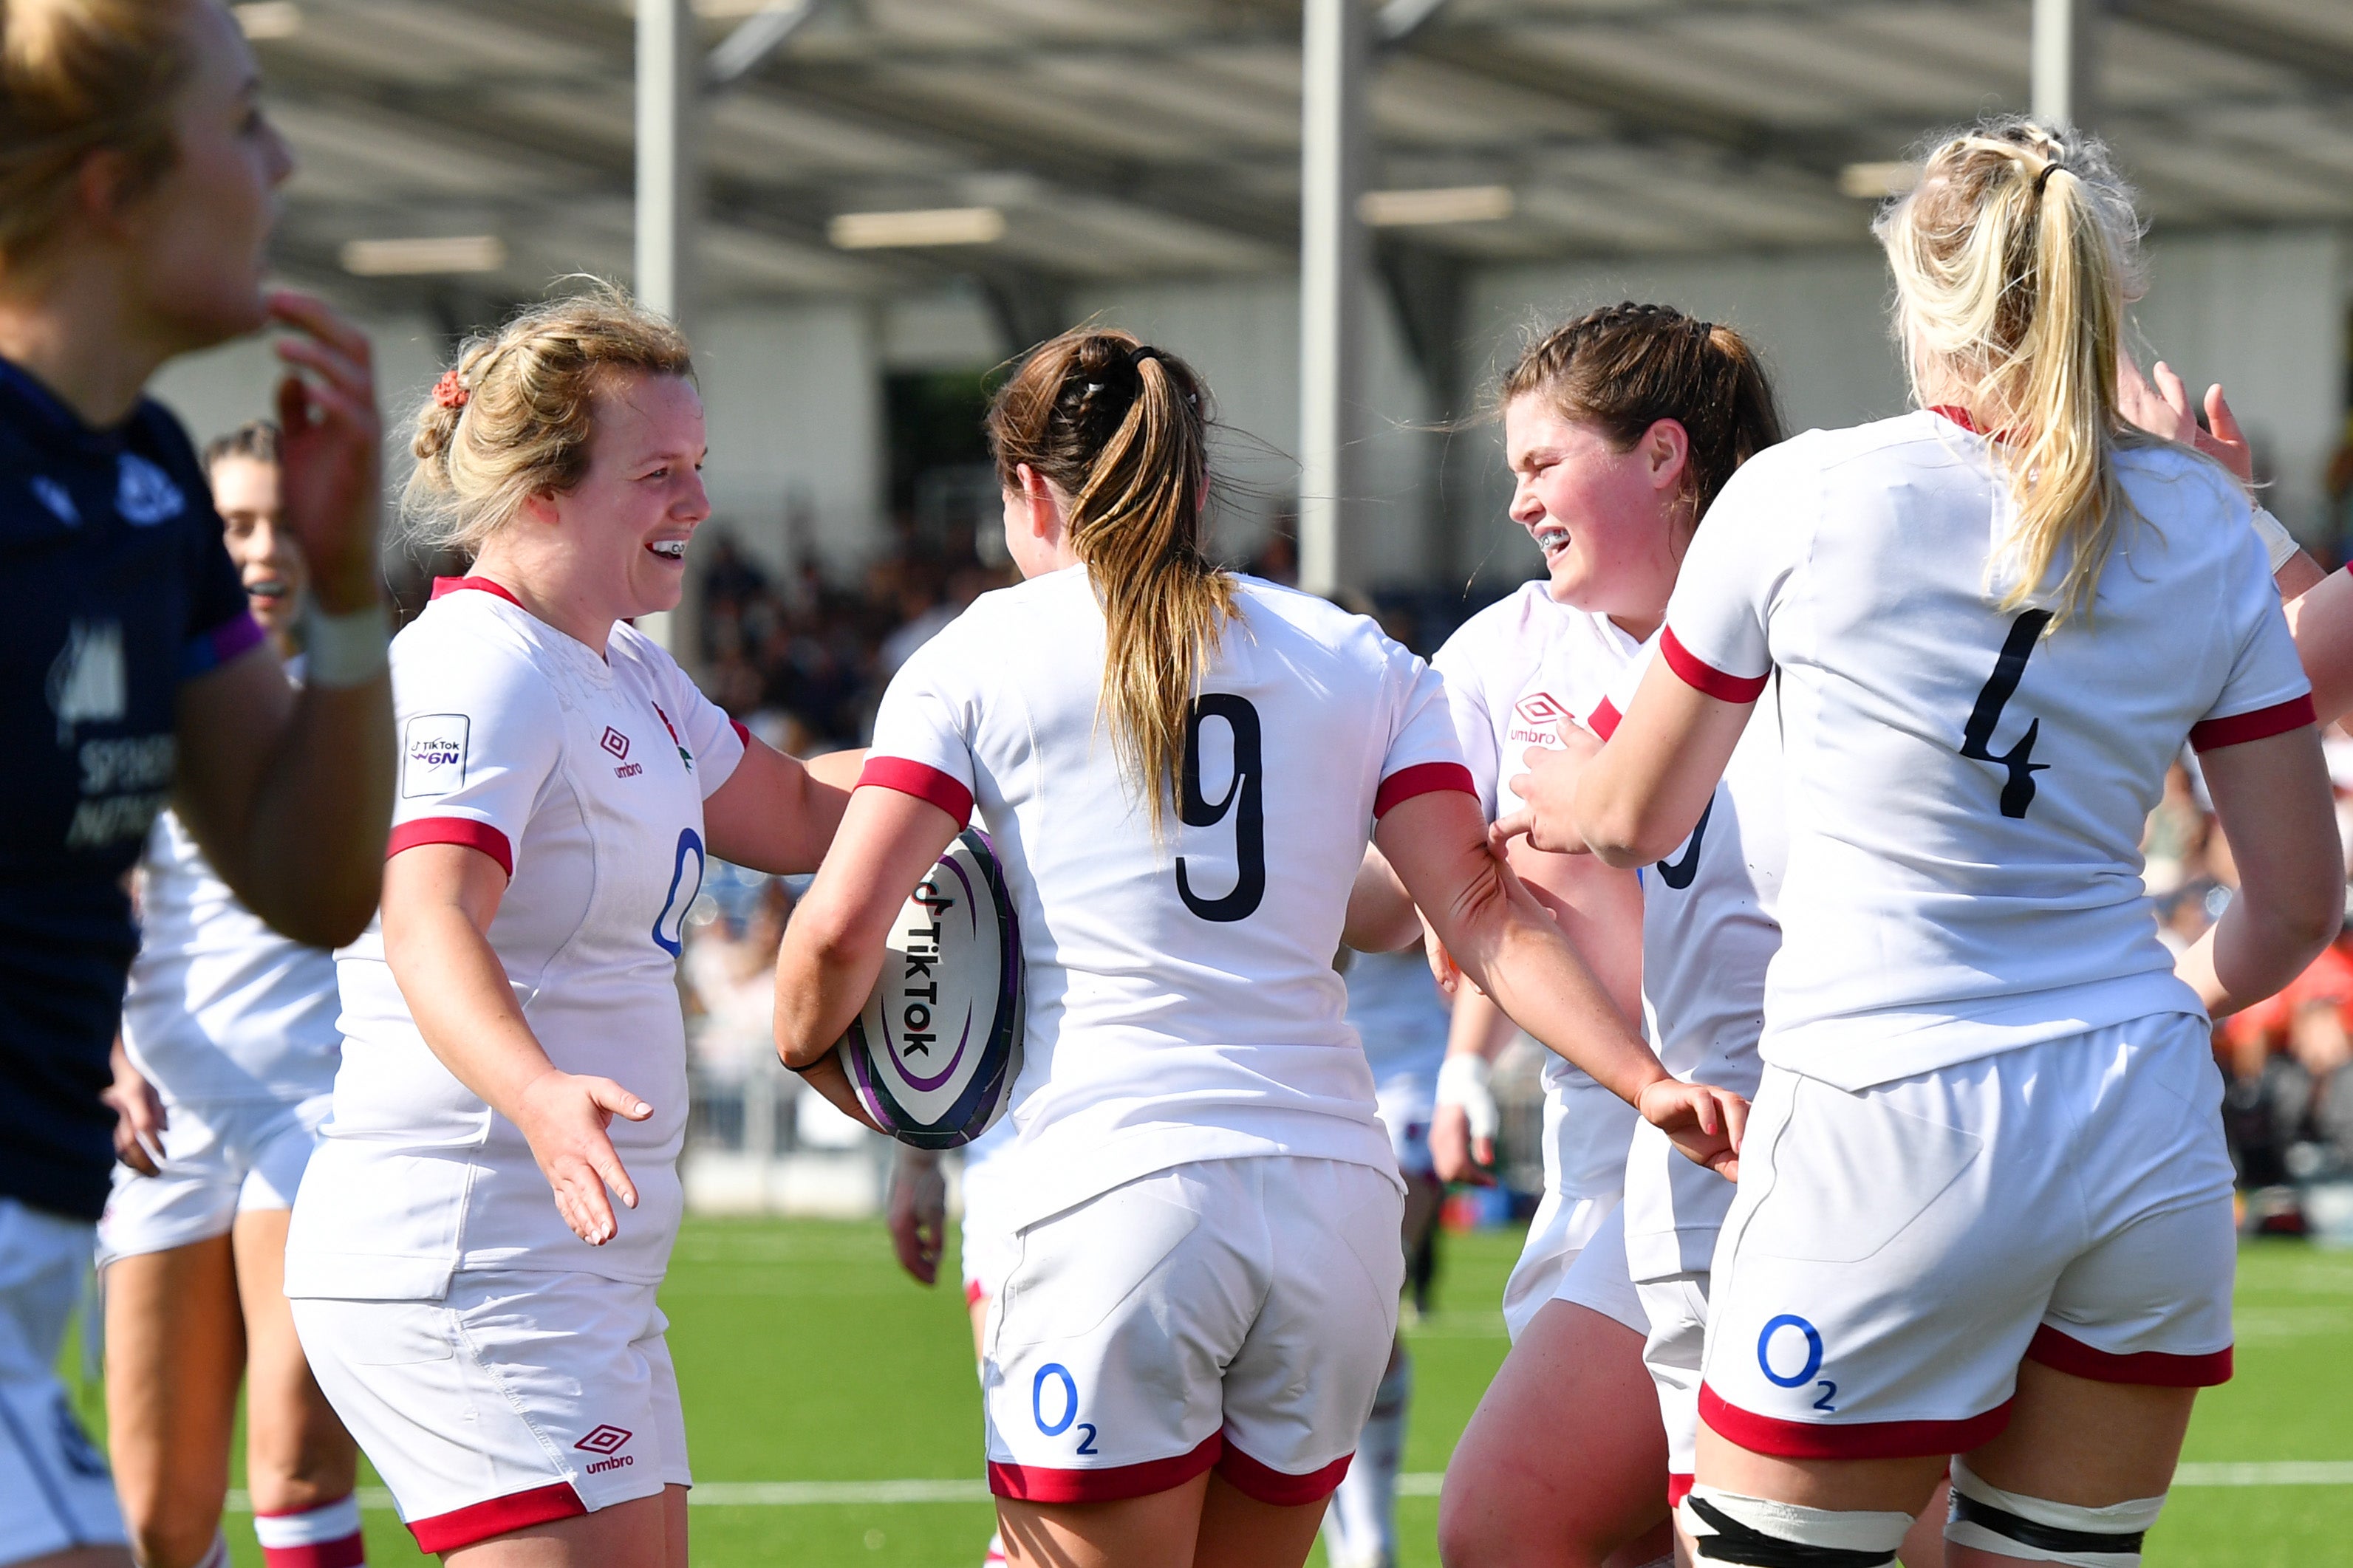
1035	144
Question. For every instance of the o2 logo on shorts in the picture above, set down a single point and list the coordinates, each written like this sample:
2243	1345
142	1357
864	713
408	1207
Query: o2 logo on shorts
1055	1371
1804	1374
670	926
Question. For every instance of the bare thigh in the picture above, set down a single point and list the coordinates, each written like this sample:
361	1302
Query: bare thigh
1526	1485
175	1353
80	1557
298	1455
2073	1440
646	1532
1204	1523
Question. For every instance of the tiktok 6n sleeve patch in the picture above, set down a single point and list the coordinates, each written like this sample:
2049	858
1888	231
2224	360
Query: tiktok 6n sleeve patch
433	754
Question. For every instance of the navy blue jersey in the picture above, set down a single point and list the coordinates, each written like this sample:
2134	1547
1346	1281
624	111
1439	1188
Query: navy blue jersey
119	589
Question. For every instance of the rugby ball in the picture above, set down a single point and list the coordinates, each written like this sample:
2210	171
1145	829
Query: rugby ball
934	1053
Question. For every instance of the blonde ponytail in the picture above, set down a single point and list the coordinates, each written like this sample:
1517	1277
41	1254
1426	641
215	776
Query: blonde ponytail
2013	260
1120	428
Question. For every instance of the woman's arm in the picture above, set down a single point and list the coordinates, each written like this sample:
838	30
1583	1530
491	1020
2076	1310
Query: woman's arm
1381	917
776	814
439	901
2273	797
1635	799
1509	946
833	946
2322	619
291	796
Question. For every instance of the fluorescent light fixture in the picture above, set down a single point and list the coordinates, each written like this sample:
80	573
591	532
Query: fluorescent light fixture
1448	204
416	257
1876	182
922	227
270	18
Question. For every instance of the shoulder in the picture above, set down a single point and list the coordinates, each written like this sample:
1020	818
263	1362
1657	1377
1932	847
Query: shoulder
2164	480
1267	607
460	650
1521	620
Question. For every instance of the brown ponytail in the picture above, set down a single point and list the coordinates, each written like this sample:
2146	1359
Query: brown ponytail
1121	429
1625	367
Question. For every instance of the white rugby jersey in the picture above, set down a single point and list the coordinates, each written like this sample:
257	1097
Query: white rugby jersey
219	1006
1396	1009
585	777
1966	797
1711	926
1182	1003
1513	672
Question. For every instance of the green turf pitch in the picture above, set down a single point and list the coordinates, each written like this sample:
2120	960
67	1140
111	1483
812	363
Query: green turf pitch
804	1354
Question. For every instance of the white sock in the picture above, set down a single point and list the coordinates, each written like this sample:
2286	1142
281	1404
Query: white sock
327	1536
1360	1526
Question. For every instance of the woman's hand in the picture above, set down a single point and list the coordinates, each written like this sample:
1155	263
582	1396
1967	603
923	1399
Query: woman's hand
1550	790
919	1213
1464	1122
563	1116
331	446
139	1116
1704	1123
2164	410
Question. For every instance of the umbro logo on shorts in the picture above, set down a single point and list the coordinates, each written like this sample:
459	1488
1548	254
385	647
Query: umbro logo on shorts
614	743
604	1440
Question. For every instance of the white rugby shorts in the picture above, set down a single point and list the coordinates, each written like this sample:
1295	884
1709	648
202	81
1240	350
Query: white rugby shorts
1587	1132
1676	1308
1235	1313
1892	1254
1597	1279
517	1399
1405	1103
987	1250
219	1160
55	1492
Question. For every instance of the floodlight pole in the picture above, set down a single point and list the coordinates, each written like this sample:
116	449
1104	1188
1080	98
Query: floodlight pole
669	74
2063	52
1338	50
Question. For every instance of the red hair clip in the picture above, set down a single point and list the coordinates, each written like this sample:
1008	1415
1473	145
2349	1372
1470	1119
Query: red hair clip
449	392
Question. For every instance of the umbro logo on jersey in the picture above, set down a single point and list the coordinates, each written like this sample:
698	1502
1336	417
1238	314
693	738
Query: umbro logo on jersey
145	494
615	743
58	498
1540	708
607	1441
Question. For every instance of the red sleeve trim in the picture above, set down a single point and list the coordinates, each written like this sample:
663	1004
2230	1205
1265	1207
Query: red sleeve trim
462	830
741	733
1113	1483
2259	725
2153	1369
1604	721
1278	1489
924	783
1422	778
1678	1486
1849	1439
479	1521
975	1293
1704	677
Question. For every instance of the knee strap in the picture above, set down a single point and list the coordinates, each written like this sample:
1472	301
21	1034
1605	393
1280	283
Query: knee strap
1991	1520
1726	1527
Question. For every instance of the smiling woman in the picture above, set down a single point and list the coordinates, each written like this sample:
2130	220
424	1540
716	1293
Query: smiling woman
562	784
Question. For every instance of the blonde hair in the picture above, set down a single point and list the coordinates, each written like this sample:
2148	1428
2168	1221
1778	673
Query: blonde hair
1123	430
78	77
2014	257
512	419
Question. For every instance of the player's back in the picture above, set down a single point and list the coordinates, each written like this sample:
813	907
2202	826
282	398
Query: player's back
1966	786
1181	981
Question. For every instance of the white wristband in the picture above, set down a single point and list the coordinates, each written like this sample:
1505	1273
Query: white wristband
2278	542
1463	1081
345	650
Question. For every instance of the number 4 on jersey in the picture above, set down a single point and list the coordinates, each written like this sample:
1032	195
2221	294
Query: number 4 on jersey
2017	794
